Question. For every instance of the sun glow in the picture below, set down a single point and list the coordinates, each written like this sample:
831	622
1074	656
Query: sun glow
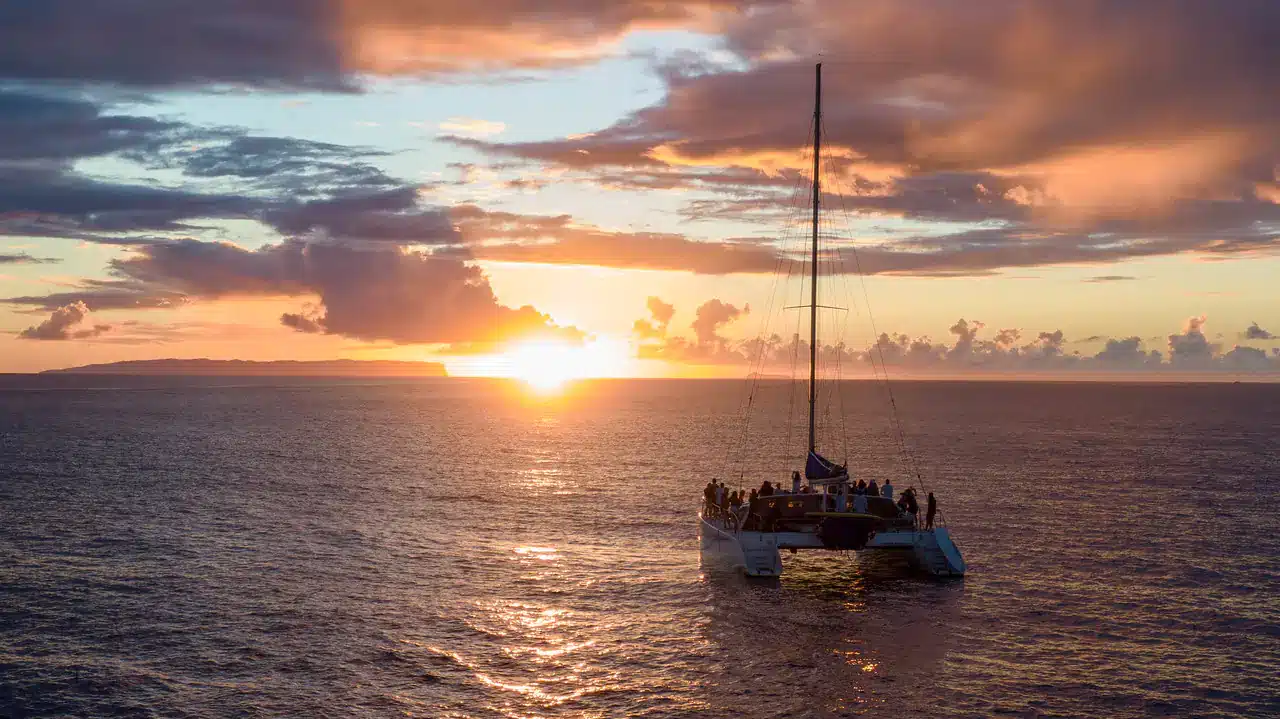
546	365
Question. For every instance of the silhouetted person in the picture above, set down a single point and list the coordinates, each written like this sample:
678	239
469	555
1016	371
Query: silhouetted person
766	489
873	489
753	511
860	503
913	507
887	489
931	512
709	497
862	487
795	482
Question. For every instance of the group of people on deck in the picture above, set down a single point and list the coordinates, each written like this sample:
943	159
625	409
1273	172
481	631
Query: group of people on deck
720	502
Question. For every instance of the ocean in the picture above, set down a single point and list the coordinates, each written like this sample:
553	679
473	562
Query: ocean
238	547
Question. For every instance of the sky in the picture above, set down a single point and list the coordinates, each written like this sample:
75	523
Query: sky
621	188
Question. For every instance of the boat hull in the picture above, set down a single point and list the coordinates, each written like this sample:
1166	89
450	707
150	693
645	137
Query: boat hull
758	554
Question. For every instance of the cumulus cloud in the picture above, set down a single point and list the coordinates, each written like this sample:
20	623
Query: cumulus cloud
1191	349
370	294
63	324
968	352
713	315
1254	332
654	328
707	345
1127	354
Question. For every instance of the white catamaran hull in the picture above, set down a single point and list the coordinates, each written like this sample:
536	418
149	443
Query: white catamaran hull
758	554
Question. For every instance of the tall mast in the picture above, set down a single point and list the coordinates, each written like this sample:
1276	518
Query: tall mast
813	284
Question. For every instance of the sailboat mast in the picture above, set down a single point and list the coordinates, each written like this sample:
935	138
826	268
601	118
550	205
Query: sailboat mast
813	284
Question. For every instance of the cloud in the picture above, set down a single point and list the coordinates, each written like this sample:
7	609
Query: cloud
510	237
968	353
318	44
1040	116
1190	349
22	258
1109	278
99	295
1247	359
384	216
1254	332
1126	354
655	328
62	324
369	294
713	315
473	127
708	346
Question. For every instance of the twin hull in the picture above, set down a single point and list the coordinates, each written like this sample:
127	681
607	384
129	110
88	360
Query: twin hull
758	553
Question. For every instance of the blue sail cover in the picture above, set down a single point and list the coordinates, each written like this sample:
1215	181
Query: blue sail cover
819	467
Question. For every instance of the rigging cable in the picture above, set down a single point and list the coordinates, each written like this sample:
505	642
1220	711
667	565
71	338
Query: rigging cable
896	421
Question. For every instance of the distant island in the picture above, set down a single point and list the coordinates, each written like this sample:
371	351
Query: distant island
249	368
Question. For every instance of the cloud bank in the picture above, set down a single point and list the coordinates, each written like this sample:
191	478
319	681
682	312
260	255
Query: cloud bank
968	351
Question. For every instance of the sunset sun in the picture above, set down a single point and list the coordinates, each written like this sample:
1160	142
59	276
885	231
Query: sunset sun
546	365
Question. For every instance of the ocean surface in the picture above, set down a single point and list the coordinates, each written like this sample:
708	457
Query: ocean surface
456	548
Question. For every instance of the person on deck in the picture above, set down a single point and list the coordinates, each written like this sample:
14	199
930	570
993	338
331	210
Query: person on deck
862	487
795	482
720	494
860	503
913	507
873	489
766	489
709	497
753	511
887	489
931	512
842	500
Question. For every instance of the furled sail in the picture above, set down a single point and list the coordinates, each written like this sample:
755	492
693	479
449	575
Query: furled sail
819	467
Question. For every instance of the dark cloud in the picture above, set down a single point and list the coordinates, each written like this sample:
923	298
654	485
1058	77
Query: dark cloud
62	204
1254	332
62	325
99	295
392	216
52	127
314	44
23	258
368	294
298	168
43	133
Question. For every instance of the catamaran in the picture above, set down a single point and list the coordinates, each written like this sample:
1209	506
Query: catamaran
830	513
